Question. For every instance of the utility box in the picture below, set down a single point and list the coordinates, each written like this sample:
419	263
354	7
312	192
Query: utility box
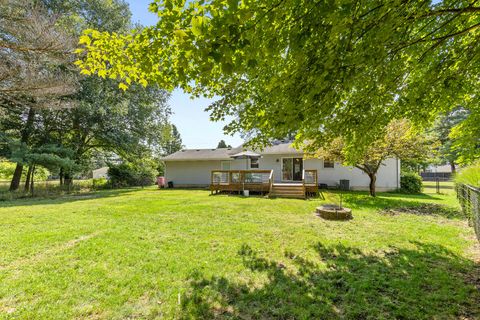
345	185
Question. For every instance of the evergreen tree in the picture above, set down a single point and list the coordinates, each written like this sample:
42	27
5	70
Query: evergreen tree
173	141
221	144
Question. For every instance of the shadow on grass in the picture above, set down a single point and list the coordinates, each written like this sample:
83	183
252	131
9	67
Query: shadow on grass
398	203
59	199
423	283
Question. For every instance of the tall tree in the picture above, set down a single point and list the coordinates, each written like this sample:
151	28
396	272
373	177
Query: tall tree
104	118
172	142
34	51
398	141
223	144
35	54
447	152
319	69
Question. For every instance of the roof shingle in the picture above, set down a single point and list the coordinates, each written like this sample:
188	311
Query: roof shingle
226	153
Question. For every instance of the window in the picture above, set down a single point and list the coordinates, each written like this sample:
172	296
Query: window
328	164
254	163
225	165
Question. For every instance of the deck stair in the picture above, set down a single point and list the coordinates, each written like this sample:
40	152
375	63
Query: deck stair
288	190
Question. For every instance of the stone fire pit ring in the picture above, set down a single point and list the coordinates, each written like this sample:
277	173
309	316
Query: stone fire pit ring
334	212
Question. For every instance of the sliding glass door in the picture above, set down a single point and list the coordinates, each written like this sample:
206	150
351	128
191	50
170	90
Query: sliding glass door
292	169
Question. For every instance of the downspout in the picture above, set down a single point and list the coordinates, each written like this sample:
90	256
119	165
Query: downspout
398	174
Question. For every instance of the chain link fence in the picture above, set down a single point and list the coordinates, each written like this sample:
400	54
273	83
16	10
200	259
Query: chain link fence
469	198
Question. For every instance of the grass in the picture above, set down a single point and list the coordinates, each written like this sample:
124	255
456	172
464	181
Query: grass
446	187
181	254
46	189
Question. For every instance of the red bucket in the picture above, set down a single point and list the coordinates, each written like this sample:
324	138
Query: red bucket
161	182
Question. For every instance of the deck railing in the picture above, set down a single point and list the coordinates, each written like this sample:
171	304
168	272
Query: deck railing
256	180
310	177
238	180
241	176
270	182
310	182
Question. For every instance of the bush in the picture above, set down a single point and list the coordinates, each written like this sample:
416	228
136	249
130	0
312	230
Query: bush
469	175
6	170
410	182
129	175
100	183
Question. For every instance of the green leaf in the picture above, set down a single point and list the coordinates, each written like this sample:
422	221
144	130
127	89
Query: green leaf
84	39
197	25
102	73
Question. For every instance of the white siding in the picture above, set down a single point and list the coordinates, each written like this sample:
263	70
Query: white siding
198	173
387	177
190	173
100	173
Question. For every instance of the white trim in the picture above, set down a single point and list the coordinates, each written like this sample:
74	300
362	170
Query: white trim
250	163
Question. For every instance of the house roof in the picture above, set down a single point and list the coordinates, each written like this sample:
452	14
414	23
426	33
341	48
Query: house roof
281	147
277	147
202	154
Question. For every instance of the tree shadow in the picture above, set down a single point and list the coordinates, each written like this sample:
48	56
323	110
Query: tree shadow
426	282
398	203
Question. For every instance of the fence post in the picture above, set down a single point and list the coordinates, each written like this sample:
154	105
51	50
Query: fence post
438	184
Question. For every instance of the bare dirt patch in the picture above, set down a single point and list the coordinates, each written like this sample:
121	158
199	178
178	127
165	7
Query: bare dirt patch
425	209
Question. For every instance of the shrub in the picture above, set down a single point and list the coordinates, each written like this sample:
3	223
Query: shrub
411	182
129	175
6	170
100	183
469	175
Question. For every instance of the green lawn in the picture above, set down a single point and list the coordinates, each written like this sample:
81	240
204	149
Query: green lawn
185	254
447	187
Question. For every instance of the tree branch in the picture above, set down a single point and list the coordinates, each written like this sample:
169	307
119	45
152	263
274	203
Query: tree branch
440	12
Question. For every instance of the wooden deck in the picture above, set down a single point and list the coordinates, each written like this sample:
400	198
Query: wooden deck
262	181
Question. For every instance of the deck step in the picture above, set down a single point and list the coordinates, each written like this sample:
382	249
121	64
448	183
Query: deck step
288	191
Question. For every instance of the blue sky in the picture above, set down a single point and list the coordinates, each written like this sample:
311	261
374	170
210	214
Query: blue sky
192	121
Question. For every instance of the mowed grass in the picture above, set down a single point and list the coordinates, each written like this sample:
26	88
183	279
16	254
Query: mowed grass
183	254
446	187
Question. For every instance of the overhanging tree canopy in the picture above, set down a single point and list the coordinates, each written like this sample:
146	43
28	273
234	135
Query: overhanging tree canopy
314	68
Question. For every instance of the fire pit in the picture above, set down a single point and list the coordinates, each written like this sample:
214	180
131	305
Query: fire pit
334	212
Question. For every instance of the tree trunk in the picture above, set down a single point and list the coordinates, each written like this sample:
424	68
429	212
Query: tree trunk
27	180
452	166
32	179
373	179
60	175
68	181
17	176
